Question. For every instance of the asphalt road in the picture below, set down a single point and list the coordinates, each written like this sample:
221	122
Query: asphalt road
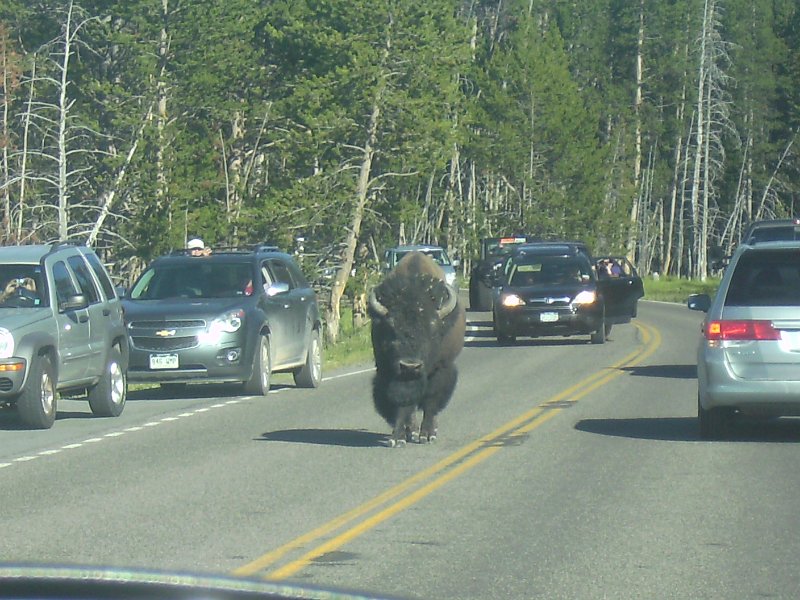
562	470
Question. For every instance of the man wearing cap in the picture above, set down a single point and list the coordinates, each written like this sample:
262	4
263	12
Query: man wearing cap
197	247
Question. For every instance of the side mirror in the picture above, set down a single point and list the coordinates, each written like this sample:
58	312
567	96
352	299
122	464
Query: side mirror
277	288
73	303
701	302
456	262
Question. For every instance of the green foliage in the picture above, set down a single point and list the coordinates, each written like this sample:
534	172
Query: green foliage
678	289
248	121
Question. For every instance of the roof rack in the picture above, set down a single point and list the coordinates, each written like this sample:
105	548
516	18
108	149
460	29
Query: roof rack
230	249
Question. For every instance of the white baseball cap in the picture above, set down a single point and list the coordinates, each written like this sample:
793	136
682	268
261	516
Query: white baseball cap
195	244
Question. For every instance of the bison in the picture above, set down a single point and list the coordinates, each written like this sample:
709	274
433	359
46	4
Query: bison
418	329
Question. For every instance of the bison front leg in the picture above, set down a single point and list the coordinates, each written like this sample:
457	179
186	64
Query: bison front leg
405	427
441	385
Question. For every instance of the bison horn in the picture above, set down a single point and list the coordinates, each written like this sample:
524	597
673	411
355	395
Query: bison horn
376	306
449	303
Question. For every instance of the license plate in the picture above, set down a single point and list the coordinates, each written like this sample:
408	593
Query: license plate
548	317
163	361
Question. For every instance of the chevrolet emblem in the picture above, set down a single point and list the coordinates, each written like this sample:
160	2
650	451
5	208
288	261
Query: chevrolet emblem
165	332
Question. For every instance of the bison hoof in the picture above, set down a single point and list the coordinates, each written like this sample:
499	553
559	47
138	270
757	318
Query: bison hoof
427	438
393	443
413	437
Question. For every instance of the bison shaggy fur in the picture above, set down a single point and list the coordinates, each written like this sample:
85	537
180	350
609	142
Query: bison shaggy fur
418	327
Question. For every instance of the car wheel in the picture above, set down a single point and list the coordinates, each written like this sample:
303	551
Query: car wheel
36	403
107	397
310	374
714	423
258	384
599	336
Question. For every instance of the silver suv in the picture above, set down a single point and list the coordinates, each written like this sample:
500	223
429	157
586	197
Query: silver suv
748	359
61	330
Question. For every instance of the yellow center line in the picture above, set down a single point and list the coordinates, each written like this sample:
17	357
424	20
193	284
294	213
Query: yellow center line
468	456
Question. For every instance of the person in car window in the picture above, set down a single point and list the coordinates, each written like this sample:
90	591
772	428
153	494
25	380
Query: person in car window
197	247
22	286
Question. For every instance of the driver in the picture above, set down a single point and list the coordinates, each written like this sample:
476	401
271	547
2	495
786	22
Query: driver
17	285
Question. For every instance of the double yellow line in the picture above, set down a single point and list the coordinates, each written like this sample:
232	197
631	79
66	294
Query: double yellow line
415	488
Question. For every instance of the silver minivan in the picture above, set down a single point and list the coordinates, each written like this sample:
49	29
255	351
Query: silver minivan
748	359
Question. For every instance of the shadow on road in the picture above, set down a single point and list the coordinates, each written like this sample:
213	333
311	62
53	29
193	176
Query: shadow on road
664	371
194	391
354	438
685	429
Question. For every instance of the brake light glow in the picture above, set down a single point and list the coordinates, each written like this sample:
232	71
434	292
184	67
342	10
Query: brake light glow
742	330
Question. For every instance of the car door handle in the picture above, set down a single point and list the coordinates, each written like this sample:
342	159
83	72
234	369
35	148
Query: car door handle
106	312
83	318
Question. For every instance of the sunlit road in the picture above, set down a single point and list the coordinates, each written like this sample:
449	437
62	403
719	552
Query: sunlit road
562	470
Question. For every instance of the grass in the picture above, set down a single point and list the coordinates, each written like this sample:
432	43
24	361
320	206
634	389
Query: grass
675	289
353	347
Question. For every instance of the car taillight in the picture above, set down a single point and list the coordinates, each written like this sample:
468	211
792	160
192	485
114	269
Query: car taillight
741	330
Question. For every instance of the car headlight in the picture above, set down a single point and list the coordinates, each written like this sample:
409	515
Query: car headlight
6	343
227	323
512	300
585	297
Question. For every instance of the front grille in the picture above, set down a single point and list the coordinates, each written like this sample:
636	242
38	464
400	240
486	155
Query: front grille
548	302
164	344
173	324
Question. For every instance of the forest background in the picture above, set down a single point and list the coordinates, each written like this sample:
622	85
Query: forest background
654	128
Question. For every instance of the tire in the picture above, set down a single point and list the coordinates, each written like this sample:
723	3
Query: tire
36	404
310	374
107	398
599	336
258	384
714	423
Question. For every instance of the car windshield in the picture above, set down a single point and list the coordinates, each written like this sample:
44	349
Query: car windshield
547	270
198	279
439	255
766	278
22	286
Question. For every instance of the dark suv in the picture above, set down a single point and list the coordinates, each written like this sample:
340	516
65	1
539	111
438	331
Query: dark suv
61	330
556	289
233	316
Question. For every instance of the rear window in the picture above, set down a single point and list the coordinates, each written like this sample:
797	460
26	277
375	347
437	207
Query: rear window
766	278
773	234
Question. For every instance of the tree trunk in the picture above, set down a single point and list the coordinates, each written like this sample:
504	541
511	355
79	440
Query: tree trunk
333	309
